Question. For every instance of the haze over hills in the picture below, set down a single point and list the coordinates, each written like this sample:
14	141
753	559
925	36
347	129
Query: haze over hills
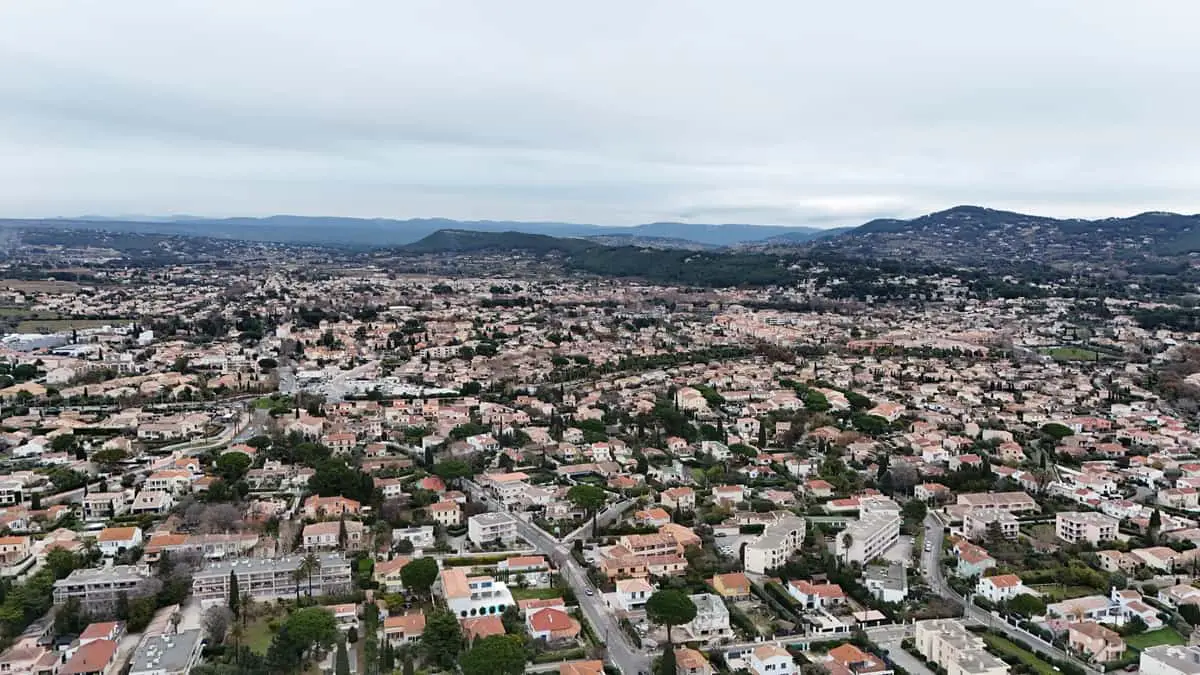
362	232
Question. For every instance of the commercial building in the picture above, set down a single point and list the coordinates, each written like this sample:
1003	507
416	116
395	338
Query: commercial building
271	578
947	643
486	528
1076	526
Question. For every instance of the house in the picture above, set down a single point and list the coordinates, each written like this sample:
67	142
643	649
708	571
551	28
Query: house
94	658
850	660
345	614
446	513
103	630
114	540
15	550
1095	642
771	659
345	535
734	586
104	505
152	501
474	596
1181	594
1002	587
973	561
532	568
387	574
679	498
887	582
1159	557
632	594
689	661
327	507
711	621
655	517
481	627
732	494
404	629
815	596
420	536
581	668
551	624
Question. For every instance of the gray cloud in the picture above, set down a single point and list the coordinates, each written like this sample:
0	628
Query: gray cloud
777	112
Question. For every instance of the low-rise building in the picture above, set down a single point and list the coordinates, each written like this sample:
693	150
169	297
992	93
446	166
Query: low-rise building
948	644
1169	660
733	586
771	659
711	621
173	654
474	596
487	528
869	537
98	589
1002	587
1095	642
1086	526
271	578
777	542
887	582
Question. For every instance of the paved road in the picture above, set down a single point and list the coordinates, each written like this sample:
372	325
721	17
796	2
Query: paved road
931	569
629	659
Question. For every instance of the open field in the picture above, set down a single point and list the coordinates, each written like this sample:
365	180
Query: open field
1162	636
1059	592
534	593
1027	657
1071	354
36	286
55	325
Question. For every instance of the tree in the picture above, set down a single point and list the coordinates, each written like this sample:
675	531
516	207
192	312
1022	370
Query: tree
503	654
109	459
313	627
232	466
352	635
452	470
342	660
310	564
914	510
666	665
589	498
216	621
1056	431
442	640
670	608
235	596
1027	605
62	562
419	574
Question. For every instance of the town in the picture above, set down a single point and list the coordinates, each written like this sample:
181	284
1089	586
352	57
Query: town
345	467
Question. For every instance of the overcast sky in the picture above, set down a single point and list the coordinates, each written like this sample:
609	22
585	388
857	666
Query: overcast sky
788	112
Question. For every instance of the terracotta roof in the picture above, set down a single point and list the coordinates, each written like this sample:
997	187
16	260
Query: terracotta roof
412	623
1005	580
394	565
526	561
481	627
96	631
90	658
581	668
553	620
117	533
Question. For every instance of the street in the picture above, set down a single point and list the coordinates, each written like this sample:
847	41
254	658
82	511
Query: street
621	653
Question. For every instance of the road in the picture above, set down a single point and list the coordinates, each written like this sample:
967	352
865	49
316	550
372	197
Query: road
627	658
931	570
603	518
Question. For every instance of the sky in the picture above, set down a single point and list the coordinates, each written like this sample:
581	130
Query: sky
783	112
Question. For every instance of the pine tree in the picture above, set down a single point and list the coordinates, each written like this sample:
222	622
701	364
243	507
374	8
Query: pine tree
235	599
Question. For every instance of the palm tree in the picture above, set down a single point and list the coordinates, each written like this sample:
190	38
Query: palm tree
310	564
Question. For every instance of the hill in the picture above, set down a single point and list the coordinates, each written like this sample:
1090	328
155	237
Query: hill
468	241
973	235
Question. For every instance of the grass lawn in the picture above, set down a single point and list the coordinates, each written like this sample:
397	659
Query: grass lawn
258	635
534	593
1058	592
1027	657
1162	636
1070	354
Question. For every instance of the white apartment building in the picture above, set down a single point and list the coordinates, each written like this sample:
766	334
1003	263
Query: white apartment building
950	645
977	523
772	548
98	589
1077	526
1170	660
271	578
485	528
867	538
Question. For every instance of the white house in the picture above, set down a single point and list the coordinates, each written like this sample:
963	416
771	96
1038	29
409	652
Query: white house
113	540
632	594
1002	587
770	659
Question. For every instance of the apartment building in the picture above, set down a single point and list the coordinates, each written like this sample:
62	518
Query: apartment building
1011	502
173	654
271	578
327	535
867	538
1077	526
947	643
98	589
777	541
977	523
486	528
